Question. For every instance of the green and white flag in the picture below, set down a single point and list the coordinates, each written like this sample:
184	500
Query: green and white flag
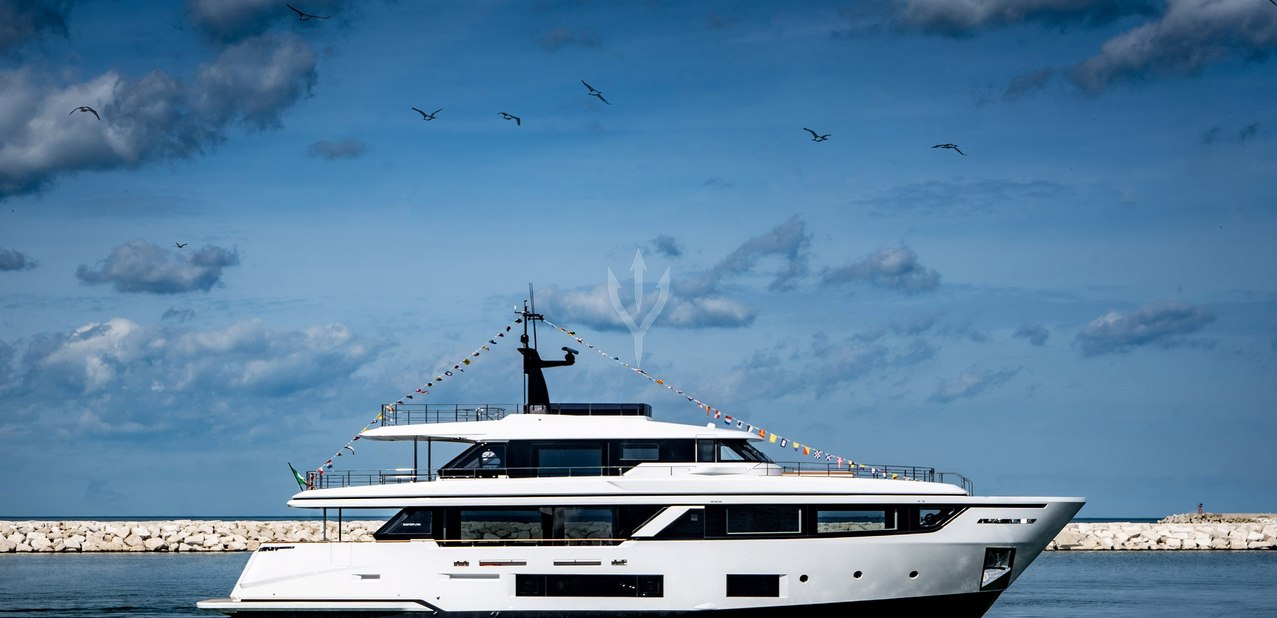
301	480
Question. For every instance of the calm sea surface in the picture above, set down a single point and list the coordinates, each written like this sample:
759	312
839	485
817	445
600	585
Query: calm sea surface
1138	584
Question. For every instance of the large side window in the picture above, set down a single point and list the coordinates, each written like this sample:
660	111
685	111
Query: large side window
568	459
763	519
852	520
500	524
582	522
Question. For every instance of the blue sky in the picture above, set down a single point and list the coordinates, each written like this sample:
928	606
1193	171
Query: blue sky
1081	302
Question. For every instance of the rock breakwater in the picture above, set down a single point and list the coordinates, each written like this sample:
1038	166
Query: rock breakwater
169	536
1178	532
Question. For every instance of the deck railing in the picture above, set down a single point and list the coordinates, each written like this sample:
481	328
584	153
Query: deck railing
417	413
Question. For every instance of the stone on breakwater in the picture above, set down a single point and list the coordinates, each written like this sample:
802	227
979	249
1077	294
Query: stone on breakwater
1179	532
171	536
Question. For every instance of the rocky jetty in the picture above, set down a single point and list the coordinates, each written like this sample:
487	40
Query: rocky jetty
1177	532
162	536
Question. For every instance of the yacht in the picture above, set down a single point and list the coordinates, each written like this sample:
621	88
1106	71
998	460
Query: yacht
596	509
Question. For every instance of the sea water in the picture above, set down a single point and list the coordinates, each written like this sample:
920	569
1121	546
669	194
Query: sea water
1161	584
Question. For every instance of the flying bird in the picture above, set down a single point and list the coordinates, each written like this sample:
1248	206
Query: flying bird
951	147
516	119
816	137
181	244
306	16
595	93
425	116
86	108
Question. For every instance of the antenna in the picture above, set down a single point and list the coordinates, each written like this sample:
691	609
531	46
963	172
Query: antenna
537	397
533	300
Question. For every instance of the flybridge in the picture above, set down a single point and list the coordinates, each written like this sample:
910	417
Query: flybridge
541	438
418	413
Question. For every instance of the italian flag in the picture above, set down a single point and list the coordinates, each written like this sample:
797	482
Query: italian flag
301	480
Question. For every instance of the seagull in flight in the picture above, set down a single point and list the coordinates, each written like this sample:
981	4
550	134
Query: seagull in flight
816	137
181	244
306	16
595	93
86	108
425	116
516	119
951	147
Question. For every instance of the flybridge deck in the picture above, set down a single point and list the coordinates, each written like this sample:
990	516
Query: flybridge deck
453	422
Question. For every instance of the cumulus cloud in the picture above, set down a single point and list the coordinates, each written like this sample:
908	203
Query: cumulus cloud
971	382
698	302
961	17
139	266
1162	323
12	259
592	307
1037	334
346	148
25	20
789	241
126	378
143	119
891	268
1187	37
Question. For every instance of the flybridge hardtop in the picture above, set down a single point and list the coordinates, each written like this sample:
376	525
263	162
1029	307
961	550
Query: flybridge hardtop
554	427
597	510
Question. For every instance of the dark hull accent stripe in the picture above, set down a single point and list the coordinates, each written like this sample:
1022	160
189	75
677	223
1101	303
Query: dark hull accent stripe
971	605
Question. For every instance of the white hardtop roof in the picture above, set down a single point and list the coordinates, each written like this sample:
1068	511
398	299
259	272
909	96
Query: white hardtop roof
554	427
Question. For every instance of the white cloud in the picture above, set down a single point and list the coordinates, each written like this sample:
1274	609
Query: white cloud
892	268
1164	323
139	266
1188	36
127	378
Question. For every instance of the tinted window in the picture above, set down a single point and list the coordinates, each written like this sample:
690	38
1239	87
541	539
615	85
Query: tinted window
739	450
500	524
691	525
640	451
933	517
573	522
753	585
763	519
569	459
589	585
407	524
841	521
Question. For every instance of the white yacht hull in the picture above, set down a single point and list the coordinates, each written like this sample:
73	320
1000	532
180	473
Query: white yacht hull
870	574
